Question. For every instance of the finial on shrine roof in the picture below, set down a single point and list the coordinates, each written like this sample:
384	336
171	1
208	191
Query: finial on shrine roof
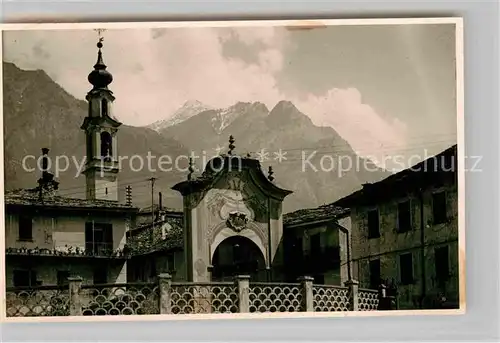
190	169
270	174
231	145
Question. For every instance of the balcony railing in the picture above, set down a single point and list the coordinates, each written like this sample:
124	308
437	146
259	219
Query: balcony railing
99	248
92	249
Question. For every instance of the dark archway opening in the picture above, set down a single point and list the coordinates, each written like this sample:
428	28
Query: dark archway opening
238	255
106	145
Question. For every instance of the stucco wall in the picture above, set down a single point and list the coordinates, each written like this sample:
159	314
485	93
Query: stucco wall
206	216
58	232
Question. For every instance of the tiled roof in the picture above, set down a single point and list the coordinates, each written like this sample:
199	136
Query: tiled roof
428	172
31	197
149	240
323	212
156	207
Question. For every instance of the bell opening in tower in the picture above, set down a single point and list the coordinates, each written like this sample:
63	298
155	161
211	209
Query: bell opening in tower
106	145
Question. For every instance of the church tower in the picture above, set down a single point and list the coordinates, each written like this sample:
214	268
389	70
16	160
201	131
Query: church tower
100	127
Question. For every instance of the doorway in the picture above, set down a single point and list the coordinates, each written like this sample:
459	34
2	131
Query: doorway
238	255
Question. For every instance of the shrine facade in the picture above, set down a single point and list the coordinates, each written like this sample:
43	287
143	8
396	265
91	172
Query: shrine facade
232	221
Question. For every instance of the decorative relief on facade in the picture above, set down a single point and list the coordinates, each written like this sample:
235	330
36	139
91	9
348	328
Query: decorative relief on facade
215	204
200	267
258	204
237	221
236	184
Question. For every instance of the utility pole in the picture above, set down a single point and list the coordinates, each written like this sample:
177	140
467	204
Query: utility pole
422	246
128	195
153	179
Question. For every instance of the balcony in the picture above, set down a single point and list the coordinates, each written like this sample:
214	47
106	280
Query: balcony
92	250
99	248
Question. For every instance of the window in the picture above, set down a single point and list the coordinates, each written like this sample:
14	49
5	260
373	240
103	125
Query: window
98	238
315	244
439	207
62	277
100	275
441	260
90	147
152	272
294	256
171	263
25	228
406	268
106	144
24	278
373	224
104	107
404	216
374	274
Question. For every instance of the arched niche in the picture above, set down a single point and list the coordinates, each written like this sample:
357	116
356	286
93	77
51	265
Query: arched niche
238	255
251	233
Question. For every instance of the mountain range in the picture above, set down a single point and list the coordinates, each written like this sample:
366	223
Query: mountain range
40	113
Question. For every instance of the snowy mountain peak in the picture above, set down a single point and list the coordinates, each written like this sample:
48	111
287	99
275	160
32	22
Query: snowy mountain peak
188	110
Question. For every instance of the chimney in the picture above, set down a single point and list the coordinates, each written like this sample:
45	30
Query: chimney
129	195
46	184
160	201
45	163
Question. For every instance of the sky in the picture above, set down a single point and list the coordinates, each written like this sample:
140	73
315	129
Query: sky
386	89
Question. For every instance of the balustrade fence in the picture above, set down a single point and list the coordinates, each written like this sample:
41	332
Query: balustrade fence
167	297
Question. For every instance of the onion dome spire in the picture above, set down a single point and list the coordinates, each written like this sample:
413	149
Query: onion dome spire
100	77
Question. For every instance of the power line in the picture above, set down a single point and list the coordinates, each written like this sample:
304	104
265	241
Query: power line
134	181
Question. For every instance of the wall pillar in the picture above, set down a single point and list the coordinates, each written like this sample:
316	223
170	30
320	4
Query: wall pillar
307	293
164	286
353	286
243	286
75	304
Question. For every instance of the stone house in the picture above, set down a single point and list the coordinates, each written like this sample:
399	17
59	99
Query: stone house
157	248
315	243
51	237
405	231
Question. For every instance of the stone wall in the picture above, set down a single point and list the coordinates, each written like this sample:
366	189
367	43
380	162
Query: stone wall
391	244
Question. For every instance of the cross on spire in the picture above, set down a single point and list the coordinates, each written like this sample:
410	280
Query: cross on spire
99	33
101	38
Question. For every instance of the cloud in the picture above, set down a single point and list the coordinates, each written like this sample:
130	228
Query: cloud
358	123
156	71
